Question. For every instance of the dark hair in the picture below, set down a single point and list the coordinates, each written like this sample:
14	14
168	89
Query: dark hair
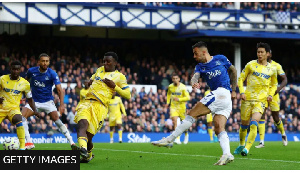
43	55
175	74
264	45
112	54
16	63
199	44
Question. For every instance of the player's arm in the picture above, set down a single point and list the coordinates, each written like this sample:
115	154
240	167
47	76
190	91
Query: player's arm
186	96
195	79
283	78
28	75
31	102
61	96
122	108
168	96
273	87
241	80
282	84
233	79
124	91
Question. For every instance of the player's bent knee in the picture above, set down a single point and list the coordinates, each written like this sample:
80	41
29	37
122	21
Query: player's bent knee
16	119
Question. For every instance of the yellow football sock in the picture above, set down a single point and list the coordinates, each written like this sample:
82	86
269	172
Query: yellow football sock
280	127
120	134
243	134
211	133
21	135
111	134
262	130
178	138
82	141
252	134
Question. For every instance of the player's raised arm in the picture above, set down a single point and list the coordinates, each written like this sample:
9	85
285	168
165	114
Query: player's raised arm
124	91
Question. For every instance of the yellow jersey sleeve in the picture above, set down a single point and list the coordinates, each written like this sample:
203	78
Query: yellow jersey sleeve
243	77
206	92
122	87
185	94
169	94
122	106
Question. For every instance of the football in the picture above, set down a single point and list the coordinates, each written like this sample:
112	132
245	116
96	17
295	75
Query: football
11	144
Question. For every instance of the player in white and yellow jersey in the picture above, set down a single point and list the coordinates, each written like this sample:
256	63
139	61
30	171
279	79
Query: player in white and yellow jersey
177	97
12	87
115	116
274	106
84	90
213	138
92	111
261	87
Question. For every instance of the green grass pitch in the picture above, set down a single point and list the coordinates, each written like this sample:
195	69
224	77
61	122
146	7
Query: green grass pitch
193	156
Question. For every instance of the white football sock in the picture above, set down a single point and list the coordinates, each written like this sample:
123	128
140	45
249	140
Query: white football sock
262	141
63	129
27	135
224	142
186	124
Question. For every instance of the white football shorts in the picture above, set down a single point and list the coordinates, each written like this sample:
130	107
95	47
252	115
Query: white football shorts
218	102
47	107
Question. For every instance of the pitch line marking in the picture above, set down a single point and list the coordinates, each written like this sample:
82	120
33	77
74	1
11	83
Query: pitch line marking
193	155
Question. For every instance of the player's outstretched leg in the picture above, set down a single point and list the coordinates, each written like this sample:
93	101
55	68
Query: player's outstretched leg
17	120
168	142
251	137
63	129
111	134
28	145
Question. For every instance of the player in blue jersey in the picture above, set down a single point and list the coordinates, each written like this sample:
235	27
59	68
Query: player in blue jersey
214	69
41	80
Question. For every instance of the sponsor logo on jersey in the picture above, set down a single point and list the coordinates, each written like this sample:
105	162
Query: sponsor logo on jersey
11	91
212	74
39	84
261	75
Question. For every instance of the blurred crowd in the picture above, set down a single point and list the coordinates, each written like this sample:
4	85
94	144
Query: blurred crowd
147	112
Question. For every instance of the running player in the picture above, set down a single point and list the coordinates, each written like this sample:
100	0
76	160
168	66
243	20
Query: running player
214	70
92	111
274	106
115	116
178	95
12	87
41	80
261	87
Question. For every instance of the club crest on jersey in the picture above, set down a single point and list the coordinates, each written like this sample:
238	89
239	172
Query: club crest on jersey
218	63
34	74
46	78
203	69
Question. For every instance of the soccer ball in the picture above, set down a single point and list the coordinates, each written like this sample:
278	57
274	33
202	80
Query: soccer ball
11	144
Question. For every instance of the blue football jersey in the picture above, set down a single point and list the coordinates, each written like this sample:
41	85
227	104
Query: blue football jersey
215	72
41	83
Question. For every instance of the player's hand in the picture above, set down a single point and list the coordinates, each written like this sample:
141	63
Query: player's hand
1	100
233	95
277	91
61	109
243	96
270	98
176	99
37	114
109	83
196	85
